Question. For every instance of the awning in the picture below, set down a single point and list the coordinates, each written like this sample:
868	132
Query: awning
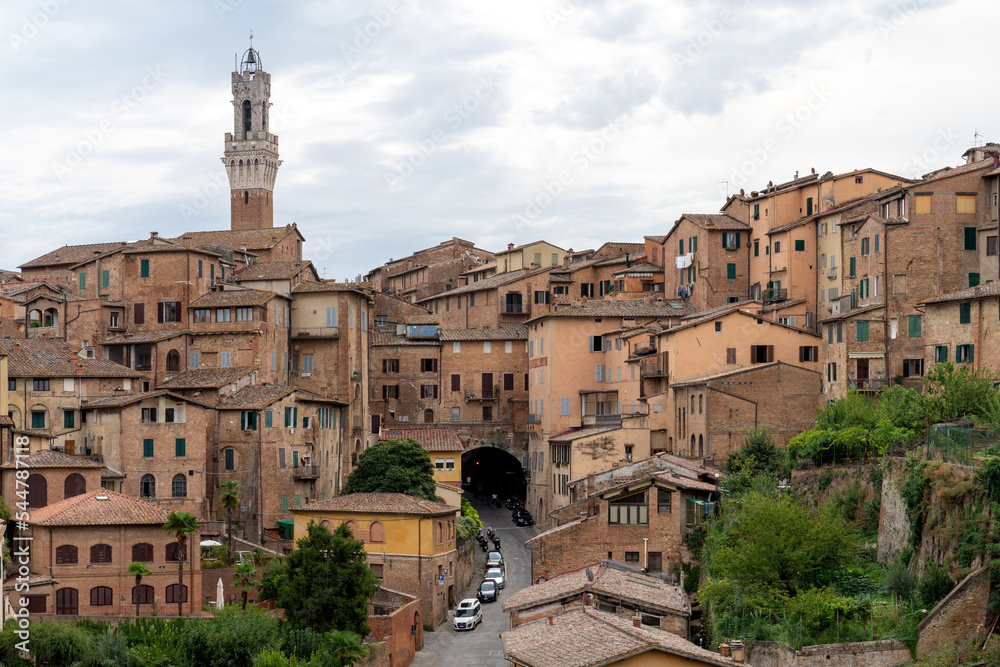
286	529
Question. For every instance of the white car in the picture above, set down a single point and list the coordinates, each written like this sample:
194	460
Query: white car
468	614
496	574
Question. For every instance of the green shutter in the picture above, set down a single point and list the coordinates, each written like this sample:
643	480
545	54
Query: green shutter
143	268
268	418
972	353
243	421
809	206
288	417
295	417
211	273
731	271
147	447
83	280
298	499
914	326
179	447
738	235
284	503
295	459
970	238
973	279
862	331
69	419
681	245
105	278
964	313
756	248
853	266
800	245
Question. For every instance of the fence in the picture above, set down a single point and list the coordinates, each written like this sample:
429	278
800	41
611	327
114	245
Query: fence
959	442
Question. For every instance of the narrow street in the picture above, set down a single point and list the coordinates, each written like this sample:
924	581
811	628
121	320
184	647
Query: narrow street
446	648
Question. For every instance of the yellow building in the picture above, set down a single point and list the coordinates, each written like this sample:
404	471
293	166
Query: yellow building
441	444
542	253
410	543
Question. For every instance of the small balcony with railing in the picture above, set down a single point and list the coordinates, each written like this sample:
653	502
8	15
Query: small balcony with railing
869	384
653	367
514	308
299	333
774	294
305	472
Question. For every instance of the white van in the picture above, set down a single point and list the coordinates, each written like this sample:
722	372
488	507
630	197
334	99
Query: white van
468	614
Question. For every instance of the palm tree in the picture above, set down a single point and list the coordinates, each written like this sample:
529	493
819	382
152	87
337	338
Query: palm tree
183	525
344	648
139	570
245	578
229	499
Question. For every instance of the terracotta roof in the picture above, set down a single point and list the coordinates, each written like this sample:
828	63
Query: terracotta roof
657	239
718	221
625	308
948	172
526	245
482	267
502	332
992	288
312	286
37	357
232	297
305	395
138	337
846	206
644	267
647	592
431	439
256	397
558	529
107	472
380	503
253	239
577	434
847	314
271	270
9	276
588	637
490	282
734	308
383	338
47	458
119	400
206	378
99	508
684	482
73	254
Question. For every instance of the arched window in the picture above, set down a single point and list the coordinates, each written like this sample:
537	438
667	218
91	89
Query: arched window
74	485
326	524
173	361
177	593
692	444
67	602
38	491
247	119
353	527
246	196
147	487
173	552
701	404
35	318
701	446
100	553
101	596
376	532
66	555
692	403
143	594
179	486
142	552
429	416
440	532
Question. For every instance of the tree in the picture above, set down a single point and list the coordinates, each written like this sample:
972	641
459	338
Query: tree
138	570
394	466
182	525
342	648
328	582
245	578
229	500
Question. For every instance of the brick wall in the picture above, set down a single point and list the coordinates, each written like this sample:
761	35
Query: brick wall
959	617
858	654
395	626
255	211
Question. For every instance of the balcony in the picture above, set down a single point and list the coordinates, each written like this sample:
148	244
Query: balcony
598	421
481	395
305	473
772	295
515	309
533	419
315	332
653	368
831	272
867	384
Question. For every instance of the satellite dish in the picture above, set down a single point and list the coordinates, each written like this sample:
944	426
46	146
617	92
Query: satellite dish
590	575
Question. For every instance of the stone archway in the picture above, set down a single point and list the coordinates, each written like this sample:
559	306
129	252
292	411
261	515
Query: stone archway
492	470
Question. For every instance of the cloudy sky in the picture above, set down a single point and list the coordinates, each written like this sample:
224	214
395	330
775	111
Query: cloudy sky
403	123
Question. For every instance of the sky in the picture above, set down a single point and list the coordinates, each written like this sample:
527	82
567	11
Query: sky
403	123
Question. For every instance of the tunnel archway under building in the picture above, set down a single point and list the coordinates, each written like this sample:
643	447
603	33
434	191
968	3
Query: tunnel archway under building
489	470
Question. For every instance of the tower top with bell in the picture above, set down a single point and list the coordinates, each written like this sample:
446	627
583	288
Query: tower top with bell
251	59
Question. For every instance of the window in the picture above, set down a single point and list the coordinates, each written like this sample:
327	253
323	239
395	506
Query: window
244	314
105	278
487	413
508	346
428	365
456	413
913	367
756	248
41	384
142	552
761	354
202	315
915	326
731	240
168	311
564	407
800	245
176	593
139	313
840	332
487	347
196	360
248	420
973	279
390	391
101	596
756	211
428	391
631	556
731	271
864	246
222	315
663	501
67	602
66	555
225	359
143	268
965	313
147	488
629	511
809	352
69	419
456	382
541	297
730	355
940	354
230	458
100	553
922	204
991	246
390	365
307	363
862	331
964	353
777	247
172	552
853	266
291	417
179	486
143	594
147	447
831	372
966	204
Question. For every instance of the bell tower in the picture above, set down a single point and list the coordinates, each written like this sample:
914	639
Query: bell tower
251	152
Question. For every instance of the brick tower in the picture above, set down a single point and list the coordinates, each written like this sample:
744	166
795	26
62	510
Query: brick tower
251	154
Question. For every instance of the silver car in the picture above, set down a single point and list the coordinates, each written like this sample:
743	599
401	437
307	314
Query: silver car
496	574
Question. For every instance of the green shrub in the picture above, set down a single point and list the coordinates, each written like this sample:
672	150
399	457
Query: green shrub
302	642
934	585
233	638
825	479
59	643
899	581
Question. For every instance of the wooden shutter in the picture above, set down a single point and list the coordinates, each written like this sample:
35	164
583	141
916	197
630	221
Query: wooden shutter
159	312
456	382
384	364
770	353
730	356
140	313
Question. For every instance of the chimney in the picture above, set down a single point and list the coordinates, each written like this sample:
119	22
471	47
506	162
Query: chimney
79	368
534	266
724	650
463	281
550	620
738	651
637	621
510	246
566	259
153	235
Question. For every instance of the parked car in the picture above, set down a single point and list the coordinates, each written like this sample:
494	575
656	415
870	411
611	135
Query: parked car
494	559
496	575
523	518
468	614
488	591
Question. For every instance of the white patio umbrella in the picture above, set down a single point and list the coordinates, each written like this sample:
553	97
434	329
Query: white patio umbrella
220	595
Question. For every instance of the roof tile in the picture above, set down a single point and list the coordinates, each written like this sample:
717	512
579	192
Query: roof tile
378	503
99	508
